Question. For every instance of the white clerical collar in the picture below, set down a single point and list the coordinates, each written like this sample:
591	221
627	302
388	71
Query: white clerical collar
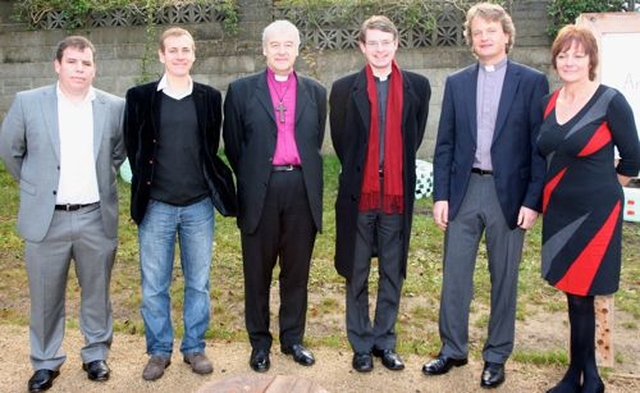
163	86
280	78
494	67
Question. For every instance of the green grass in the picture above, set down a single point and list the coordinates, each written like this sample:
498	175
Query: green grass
542	358
417	324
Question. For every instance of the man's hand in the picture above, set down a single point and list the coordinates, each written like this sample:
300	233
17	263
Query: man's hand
624	180
441	214
527	217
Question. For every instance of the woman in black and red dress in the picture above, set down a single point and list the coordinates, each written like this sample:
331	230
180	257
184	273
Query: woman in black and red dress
583	198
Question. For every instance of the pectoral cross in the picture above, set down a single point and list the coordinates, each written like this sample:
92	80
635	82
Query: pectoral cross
281	110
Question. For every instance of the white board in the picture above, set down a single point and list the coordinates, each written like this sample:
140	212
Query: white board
621	66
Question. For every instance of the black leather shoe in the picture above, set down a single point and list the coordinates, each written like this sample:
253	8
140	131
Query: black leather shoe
259	361
565	387
390	359
42	380
96	370
441	365
362	362
301	355
492	375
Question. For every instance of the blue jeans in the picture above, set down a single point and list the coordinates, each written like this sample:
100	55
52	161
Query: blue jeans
194	226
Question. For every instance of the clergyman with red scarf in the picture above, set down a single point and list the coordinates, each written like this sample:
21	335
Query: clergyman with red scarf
378	117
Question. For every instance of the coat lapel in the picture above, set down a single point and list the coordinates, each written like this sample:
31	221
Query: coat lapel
200	102
156	107
264	97
99	122
50	116
361	99
408	99
471	84
302	99
509	88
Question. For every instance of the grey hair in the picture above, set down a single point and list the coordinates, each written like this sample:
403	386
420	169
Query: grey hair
281	25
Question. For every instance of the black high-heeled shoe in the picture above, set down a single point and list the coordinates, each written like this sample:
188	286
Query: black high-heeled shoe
597	387
564	386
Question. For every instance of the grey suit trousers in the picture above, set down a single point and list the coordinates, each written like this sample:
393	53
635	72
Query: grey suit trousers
480	213
77	235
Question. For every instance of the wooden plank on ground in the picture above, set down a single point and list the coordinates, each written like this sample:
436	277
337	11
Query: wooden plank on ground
604	329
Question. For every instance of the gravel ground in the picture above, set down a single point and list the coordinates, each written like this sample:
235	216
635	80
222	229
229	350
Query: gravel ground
332	370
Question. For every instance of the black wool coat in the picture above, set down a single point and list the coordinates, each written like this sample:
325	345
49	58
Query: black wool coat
349	120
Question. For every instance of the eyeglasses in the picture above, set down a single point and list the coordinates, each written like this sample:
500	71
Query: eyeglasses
386	44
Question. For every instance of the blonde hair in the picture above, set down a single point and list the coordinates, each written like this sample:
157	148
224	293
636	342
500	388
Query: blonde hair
175	32
493	13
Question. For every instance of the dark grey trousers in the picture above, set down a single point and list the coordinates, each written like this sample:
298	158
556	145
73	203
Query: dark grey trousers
382	233
480	213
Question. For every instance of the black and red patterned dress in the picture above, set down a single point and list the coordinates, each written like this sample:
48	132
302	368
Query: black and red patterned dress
583	200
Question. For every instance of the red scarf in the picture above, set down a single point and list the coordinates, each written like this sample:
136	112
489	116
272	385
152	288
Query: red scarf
392	195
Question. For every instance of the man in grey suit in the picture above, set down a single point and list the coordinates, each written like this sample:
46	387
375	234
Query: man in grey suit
63	144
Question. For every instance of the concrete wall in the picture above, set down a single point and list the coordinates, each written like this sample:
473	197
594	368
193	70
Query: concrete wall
26	56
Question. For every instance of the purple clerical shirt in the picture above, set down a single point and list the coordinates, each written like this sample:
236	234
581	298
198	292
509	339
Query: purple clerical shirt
283	97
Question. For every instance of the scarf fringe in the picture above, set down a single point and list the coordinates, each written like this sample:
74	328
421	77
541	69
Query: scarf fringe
391	204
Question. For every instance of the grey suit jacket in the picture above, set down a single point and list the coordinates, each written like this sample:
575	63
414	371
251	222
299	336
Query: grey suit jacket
30	150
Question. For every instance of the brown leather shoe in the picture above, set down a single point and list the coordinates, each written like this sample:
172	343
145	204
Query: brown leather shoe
155	367
199	363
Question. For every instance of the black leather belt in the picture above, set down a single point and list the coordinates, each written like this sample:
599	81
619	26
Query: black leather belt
481	172
286	168
73	207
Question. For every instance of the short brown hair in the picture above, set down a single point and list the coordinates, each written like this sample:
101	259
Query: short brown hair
493	13
377	22
581	36
74	41
175	32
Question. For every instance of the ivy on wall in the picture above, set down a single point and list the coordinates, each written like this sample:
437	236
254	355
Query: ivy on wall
78	14
71	15
421	14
